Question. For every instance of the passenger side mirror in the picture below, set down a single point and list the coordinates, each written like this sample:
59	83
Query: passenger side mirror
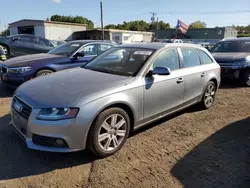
161	71
78	54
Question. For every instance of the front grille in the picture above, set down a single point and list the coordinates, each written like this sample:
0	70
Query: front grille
26	109
23	131
47	141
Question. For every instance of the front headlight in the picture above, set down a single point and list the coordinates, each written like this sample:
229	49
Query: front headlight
19	69
53	114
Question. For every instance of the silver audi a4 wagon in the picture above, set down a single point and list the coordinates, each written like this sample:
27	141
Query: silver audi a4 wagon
98	105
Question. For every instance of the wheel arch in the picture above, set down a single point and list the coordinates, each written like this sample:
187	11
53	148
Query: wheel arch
124	106
44	68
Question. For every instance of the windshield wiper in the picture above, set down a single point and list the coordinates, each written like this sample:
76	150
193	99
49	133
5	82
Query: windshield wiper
105	71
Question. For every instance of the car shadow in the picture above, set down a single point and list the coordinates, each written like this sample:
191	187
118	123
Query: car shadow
5	92
191	109
222	160
17	161
230	84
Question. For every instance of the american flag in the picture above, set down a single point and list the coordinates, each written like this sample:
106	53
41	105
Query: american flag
182	26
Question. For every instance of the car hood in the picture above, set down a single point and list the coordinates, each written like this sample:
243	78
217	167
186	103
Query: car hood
28	60
69	87
229	57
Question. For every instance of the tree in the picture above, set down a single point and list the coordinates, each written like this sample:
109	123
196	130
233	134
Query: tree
161	25
110	26
72	19
6	32
138	25
197	25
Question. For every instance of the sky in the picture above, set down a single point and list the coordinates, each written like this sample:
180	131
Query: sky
117	11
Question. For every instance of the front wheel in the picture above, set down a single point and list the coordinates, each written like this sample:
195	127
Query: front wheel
109	132
43	72
5	49
208	96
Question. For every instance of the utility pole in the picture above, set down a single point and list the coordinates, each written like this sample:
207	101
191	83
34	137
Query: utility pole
102	20
153	21
153	17
157	28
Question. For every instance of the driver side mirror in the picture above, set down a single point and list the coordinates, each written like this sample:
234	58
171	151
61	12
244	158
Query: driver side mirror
78	54
159	71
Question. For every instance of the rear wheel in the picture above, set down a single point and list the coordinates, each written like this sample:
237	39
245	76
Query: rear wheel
208	96
43	72
109	132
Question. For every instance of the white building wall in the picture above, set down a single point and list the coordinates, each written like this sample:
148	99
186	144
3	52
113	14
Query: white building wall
117	37
127	38
39	31
54	32
13	31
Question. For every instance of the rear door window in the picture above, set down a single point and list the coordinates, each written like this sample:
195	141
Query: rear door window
190	57
104	47
204	57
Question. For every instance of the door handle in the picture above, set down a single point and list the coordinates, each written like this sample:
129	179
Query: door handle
203	74
180	80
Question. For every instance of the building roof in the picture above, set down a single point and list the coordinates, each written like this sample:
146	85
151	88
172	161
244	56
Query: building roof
45	21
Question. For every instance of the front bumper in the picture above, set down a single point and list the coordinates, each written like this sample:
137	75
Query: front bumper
65	130
14	80
230	73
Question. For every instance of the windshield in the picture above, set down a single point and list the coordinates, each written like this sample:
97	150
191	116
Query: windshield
121	61
231	46
65	49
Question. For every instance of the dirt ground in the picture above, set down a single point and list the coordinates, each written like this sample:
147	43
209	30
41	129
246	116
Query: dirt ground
191	149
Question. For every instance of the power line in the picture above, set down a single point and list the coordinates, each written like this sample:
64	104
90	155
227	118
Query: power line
213	12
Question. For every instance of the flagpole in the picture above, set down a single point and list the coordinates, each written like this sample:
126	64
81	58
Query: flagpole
176	30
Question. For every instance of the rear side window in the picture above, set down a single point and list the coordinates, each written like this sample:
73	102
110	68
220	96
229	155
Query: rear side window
204	57
190	57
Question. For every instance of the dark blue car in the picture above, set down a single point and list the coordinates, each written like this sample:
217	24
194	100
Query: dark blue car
72	54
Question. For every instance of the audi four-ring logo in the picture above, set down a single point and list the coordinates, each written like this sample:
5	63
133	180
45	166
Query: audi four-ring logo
18	107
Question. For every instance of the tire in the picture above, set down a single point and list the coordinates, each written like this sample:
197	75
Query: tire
245	79
112	139
5	49
208	96
43	72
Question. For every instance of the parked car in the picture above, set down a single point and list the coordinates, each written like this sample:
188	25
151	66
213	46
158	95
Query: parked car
172	41
206	45
18	70
58	42
97	106
233	55
25	44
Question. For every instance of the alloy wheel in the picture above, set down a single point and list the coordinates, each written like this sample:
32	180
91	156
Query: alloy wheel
112	132
5	50
209	95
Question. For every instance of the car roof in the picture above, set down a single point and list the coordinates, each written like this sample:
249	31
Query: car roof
88	41
237	39
156	45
